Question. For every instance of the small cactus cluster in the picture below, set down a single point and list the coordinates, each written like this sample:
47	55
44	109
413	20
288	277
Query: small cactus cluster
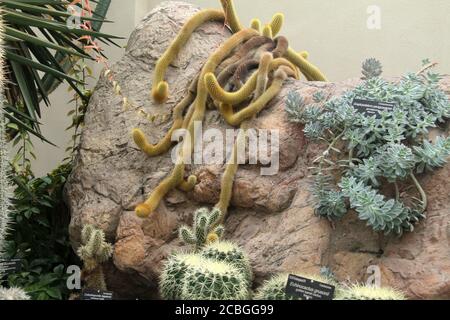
220	271
94	251
215	270
206	228
240	78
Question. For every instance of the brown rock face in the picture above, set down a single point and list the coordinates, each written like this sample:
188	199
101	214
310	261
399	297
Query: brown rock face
271	216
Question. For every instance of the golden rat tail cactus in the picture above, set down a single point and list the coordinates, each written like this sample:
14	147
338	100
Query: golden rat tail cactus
94	251
205	228
256	24
277	23
267	31
160	91
227	78
236	118
232	18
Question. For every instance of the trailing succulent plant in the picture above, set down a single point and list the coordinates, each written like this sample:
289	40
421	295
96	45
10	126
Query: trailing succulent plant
94	251
365	153
206	229
371	68
241	80
359	292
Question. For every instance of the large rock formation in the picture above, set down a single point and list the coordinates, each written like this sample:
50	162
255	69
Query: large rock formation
271	216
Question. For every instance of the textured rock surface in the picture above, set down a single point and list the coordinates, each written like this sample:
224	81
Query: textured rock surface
270	216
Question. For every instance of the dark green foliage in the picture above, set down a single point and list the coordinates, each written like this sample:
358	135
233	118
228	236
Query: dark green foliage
40	236
40	51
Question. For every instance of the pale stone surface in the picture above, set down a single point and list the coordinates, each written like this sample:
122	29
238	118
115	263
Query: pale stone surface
271	216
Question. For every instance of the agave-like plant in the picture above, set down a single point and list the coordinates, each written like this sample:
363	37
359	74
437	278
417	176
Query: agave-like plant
41	49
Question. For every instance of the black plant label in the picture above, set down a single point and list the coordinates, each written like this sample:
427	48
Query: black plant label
96	295
308	289
372	108
11	266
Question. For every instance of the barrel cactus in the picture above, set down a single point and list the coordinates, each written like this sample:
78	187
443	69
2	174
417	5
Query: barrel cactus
172	276
275	288
214	280
360	292
229	252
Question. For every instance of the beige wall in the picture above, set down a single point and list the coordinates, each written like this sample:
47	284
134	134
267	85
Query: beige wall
333	31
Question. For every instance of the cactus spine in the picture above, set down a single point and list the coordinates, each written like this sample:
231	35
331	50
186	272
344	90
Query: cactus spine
94	251
160	91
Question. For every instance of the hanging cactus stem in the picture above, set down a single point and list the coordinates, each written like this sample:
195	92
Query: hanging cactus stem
250	67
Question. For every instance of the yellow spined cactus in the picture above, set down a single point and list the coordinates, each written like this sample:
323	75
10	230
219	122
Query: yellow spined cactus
160	90
166	142
263	74
144	210
237	97
256	24
227	182
232	18
255	107
281	48
189	184
175	179
305	54
267	31
277	23
242	71
311	72
245	51
253	43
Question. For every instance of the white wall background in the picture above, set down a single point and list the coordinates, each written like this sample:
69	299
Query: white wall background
333	31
